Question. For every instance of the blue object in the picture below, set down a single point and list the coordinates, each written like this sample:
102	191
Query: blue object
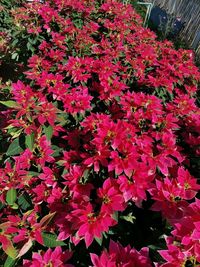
159	18
196	41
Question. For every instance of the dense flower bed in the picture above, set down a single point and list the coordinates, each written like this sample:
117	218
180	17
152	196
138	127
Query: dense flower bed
103	136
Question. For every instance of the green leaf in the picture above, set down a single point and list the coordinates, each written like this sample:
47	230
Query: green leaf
29	141
60	162
50	240
105	235
85	176
99	240
129	218
2	205
9	262
155	247
16	147
9	249
48	130
15	56
32	41
111	232
14	206
9	104
115	216
14	42
24	201
30	47
32	173
11	196
57	151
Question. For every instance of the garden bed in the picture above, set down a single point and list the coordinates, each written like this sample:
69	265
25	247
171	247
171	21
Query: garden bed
100	139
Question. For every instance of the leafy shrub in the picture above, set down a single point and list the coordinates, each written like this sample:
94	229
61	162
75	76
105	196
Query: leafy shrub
16	43
101	144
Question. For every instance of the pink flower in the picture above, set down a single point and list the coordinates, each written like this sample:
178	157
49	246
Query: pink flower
99	158
79	68
77	100
47	113
90	224
117	255
176	255
123	159
55	258
45	151
188	183
111	197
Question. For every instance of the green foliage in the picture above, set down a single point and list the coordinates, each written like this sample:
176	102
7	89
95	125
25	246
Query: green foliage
16	147
129	218
24	201
135	226
50	240
29	140
9	249
16	44
48	130
11	196
99	240
140	9
9	262
9	103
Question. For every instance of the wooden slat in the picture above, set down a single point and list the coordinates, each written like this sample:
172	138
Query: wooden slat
189	12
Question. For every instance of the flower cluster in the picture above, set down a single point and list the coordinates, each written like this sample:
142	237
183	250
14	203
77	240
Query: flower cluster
105	122
120	256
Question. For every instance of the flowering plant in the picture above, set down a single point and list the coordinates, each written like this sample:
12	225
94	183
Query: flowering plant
101	137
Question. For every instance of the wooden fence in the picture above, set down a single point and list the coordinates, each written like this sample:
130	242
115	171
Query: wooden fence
189	12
